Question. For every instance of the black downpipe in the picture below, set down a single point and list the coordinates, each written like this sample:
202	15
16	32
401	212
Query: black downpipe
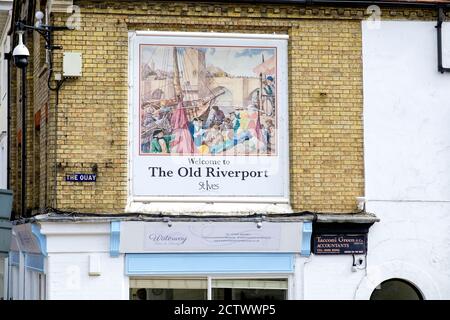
8	126
24	145
441	18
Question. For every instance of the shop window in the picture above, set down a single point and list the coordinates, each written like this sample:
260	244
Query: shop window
197	289
249	289
168	289
396	289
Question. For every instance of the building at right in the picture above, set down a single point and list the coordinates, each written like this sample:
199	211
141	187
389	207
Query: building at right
407	175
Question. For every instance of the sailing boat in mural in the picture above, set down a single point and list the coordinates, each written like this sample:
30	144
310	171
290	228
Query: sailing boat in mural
207	100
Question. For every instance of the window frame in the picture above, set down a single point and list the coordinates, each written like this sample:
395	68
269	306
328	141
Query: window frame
210	277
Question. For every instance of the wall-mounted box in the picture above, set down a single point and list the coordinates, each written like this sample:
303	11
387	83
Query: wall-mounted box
72	64
94	265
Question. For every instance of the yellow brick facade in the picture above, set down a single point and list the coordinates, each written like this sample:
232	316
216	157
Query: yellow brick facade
325	98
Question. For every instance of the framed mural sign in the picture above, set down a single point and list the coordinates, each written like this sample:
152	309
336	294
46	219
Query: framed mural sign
208	116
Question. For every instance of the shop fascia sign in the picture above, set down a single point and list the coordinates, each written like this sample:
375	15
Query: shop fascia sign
139	237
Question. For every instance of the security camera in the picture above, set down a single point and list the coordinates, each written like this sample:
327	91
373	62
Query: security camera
21	53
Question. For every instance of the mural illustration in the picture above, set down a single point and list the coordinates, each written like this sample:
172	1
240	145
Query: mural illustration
208	100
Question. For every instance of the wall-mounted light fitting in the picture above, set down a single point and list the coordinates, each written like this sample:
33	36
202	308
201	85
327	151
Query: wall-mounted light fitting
21	52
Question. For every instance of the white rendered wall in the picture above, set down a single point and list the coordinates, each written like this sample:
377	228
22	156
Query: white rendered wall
69	246
406	112
2	275
407	167
407	154
3	160
329	277
4	48
68	278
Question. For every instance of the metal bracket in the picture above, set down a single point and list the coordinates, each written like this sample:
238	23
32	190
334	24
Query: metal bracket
441	18
45	31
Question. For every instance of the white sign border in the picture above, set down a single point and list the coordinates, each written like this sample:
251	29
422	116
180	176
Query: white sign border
137	203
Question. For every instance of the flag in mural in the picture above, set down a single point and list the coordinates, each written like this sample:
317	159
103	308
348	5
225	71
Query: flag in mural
207	100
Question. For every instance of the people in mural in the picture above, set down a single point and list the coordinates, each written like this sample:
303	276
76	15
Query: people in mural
160	142
182	140
197	131
269	90
215	115
208	101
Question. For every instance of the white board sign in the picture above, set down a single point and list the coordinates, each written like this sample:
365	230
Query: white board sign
209	115
138	237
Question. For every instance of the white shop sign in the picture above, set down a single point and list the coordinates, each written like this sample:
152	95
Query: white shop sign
140	237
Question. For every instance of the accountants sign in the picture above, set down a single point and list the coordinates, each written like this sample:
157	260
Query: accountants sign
209	115
340	244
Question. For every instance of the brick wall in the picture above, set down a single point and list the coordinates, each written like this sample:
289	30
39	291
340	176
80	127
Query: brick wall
325	97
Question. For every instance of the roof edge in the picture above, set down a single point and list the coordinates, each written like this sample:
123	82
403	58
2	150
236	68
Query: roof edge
357	217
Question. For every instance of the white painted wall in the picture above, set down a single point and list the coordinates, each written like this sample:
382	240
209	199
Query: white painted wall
3	161
407	167
411	242
331	278
2	275
407	154
68	277
4	48
406	112
69	246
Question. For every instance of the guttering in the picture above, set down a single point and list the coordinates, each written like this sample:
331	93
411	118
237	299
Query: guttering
323	218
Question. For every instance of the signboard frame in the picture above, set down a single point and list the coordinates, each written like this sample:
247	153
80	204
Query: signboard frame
278	192
340	243
201	237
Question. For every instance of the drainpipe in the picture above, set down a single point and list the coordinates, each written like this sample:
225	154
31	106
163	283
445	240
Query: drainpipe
24	144
8	127
441	18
